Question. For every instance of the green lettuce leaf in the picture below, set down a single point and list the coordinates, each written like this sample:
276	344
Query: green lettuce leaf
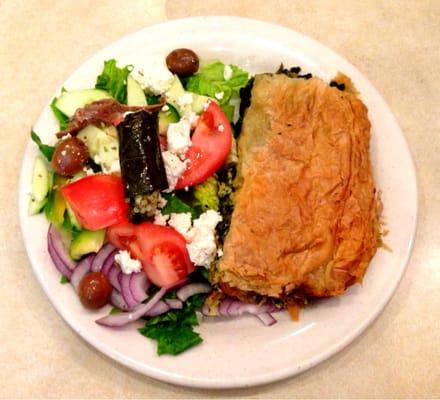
176	205
45	149
114	80
173	330
210	81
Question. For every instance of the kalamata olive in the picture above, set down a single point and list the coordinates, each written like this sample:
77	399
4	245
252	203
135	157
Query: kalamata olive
70	156
182	62
94	290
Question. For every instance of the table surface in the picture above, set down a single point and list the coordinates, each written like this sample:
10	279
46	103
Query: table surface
394	43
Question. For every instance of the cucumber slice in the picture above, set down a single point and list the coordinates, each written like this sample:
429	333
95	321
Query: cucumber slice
70	101
135	94
176	91
41	186
86	242
72	217
167	117
36	206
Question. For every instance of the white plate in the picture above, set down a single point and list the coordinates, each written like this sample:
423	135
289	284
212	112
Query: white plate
242	352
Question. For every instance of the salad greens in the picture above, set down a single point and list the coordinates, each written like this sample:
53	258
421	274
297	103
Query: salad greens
114	80
64	280
173	330
210	81
176	205
45	149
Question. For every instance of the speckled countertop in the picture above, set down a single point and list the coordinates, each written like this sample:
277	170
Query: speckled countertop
394	43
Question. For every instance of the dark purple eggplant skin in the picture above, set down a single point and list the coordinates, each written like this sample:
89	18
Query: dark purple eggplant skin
140	157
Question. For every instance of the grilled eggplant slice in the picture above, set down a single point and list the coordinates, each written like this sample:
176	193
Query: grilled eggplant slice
142	167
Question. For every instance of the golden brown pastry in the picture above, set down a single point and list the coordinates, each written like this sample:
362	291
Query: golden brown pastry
305	217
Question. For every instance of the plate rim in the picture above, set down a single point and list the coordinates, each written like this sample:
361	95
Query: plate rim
259	379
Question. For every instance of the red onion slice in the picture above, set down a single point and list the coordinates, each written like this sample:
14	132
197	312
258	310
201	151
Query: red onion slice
139	285
113	275
118	301
81	270
191	289
54	237
224	307
127	317
57	261
266	318
159	308
108	263
124	281
175	304
102	256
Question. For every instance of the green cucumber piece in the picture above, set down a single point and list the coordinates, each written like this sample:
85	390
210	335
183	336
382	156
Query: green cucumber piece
36	206
103	148
86	242
70	101
176	91
167	117
41	185
72	217
135	94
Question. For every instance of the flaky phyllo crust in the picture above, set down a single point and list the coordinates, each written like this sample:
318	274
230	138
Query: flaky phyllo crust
306	211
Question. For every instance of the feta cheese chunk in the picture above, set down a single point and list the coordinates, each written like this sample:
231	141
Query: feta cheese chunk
185	101
160	219
202	245
219	95
178	136
154	77
181	222
128	265
174	168
227	72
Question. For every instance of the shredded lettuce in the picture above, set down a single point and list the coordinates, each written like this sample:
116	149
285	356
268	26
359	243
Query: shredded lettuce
210	81
114	80
173	330
45	149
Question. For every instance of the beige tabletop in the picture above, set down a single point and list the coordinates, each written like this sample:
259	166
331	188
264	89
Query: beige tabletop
394	43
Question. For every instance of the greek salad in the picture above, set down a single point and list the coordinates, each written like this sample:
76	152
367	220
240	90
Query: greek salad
138	188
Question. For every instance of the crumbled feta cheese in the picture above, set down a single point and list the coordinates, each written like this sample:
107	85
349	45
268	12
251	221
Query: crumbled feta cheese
181	222
184	100
191	117
174	168
178	136
88	171
67	136
63	152
154	77
201	237
160	219
219	95
221	128
161	202
227	72
128	265
219	253
114	167
165	107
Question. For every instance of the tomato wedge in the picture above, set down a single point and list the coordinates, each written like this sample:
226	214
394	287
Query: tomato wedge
161	250
211	144
97	200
